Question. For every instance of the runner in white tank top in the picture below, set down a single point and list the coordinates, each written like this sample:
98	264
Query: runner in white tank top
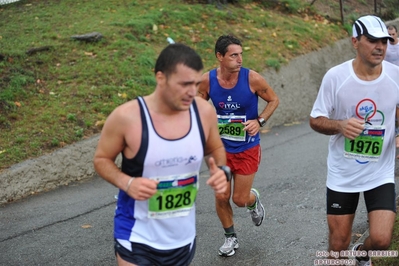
163	138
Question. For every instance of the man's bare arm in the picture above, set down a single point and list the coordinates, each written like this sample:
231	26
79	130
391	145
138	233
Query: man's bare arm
215	154
260	86
350	128
110	144
324	125
203	90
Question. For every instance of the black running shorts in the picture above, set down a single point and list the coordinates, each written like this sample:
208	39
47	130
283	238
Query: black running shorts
379	198
144	255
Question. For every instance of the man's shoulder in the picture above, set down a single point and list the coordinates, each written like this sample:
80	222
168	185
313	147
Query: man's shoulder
131	103
206	75
391	70
128	107
124	116
254	76
340	68
206	110
202	103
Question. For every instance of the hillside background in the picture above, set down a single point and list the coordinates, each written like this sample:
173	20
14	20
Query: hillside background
56	91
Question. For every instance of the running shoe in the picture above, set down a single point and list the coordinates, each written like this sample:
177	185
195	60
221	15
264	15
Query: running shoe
229	246
359	260
258	211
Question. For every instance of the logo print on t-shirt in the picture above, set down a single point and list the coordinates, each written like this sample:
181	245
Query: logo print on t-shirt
230	105
367	110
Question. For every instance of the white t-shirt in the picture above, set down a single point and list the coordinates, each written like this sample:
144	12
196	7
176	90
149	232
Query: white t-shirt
343	95
392	53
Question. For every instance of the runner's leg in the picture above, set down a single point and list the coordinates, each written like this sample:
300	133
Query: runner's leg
340	231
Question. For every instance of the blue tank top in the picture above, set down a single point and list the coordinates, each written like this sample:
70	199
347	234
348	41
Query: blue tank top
237	101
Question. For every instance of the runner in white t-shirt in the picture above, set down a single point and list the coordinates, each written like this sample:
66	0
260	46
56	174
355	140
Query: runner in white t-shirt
392	54
356	106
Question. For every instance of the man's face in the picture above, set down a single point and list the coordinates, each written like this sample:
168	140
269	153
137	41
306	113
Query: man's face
371	51
232	60
179	88
394	35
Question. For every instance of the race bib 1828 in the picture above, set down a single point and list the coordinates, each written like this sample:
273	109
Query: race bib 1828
175	196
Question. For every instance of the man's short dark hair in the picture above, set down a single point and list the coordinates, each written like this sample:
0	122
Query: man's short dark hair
392	27
223	42
175	54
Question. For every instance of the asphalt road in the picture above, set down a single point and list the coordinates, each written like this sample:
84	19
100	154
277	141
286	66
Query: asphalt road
73	225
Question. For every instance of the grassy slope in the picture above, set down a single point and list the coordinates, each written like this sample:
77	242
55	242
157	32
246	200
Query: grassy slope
56	97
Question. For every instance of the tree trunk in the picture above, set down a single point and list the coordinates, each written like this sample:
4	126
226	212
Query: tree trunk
341	7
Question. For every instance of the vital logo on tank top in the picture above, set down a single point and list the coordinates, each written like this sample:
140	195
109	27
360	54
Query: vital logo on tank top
229	104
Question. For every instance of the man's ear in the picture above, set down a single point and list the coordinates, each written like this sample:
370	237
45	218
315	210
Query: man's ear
355	42
160	77
219	56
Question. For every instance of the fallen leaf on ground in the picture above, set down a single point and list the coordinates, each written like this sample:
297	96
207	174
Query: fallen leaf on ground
122	95
86	226
100	123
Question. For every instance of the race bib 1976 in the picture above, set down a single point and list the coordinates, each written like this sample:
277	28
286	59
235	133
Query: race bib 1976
367	146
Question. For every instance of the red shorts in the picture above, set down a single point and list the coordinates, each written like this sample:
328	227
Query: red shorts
246	162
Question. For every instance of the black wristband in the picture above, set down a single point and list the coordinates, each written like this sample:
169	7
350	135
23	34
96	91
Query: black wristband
227	171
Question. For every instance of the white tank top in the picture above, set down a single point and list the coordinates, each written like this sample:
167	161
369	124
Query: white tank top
167	220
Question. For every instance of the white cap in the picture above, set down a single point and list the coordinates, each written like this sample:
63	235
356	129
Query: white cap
372	27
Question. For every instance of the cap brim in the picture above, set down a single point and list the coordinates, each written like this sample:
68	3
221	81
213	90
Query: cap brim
379	37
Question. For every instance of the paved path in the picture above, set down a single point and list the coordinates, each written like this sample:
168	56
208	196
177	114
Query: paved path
73	225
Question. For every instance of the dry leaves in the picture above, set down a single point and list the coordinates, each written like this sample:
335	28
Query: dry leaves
85	226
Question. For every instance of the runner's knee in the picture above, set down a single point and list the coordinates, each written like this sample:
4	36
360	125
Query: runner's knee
222	197
380	243
339	242
240	201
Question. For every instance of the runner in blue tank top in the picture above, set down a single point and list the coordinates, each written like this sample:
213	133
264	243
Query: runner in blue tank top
234	92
